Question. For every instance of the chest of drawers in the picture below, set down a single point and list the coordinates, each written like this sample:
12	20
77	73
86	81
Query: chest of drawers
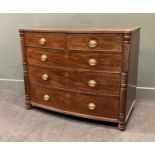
85	72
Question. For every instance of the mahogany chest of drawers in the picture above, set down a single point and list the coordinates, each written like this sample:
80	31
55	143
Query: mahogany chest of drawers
85	72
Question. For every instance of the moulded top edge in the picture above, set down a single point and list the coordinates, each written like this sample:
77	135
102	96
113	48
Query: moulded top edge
83	29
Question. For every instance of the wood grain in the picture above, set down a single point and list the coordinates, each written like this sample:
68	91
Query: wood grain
53	40
76	80
73	102
70	59
105	42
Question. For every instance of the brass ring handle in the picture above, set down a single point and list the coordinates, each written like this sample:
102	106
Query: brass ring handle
92	62
46	97
92	43
42	41
92	83
44	77
43	58
91	106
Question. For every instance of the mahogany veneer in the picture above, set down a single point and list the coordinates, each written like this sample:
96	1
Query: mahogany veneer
89	73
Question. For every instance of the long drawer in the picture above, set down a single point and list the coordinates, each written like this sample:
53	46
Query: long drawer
75	103
75	60
76	80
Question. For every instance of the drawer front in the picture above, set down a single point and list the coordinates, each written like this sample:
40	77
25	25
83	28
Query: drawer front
105	42
45	40
75	60
76	80
101	106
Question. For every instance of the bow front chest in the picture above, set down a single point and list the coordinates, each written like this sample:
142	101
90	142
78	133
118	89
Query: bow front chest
85	72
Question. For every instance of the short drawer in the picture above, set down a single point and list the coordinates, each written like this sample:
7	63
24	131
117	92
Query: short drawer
76	80
75	60
76	103
45	40
107	42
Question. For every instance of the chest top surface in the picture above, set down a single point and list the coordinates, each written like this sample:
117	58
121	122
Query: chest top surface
83	29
